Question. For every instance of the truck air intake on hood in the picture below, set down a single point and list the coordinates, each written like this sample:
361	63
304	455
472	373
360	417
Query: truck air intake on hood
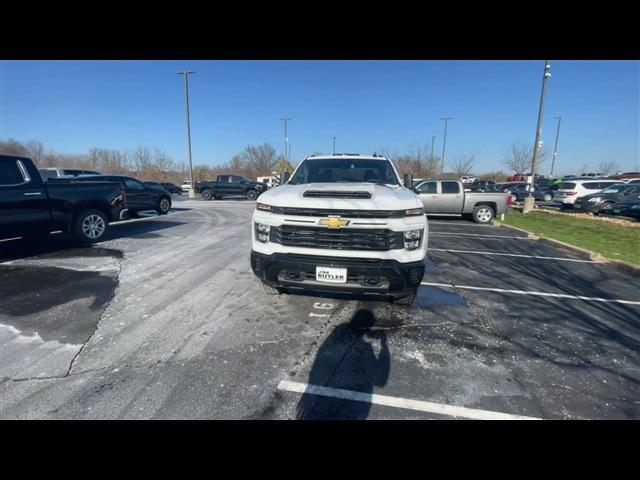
335	194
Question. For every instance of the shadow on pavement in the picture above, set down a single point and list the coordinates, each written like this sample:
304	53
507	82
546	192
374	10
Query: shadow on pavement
347	360
17	249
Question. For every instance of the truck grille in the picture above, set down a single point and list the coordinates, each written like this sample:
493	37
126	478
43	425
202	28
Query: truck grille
373	239
335	194
325	212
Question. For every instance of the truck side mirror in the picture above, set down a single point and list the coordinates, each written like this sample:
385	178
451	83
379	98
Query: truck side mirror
408	181
284	178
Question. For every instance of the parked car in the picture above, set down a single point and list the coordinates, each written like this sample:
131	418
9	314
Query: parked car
31	208
482	185
568	192
52	172
592	175
635	180
186	185
467	179
625	176
230	185
627	209
169	187
138	196
602	202
447	197
541	194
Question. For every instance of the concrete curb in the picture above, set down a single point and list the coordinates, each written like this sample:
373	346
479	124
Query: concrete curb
583	253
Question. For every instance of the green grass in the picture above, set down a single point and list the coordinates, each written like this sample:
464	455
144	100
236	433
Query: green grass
608	239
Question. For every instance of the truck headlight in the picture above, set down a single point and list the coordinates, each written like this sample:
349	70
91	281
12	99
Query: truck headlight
413	212
262	232
263	206
412	239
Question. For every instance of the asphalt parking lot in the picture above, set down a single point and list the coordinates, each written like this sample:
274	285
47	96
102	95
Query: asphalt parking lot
165	319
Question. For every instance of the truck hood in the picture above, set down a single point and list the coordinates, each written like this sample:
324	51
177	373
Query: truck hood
381	197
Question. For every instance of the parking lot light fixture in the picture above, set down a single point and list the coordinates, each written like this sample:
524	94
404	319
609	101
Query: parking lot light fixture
186	73
444	142
555	148
530	200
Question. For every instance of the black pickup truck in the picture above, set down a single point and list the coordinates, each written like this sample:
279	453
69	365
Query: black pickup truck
230	185
31	208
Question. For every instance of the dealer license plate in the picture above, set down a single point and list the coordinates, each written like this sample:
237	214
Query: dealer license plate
331	275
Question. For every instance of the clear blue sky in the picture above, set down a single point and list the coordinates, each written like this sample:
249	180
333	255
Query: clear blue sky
72	106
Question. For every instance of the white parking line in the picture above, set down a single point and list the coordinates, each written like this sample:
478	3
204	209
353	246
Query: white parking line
476	235
399	402
537	257
461	224
524	292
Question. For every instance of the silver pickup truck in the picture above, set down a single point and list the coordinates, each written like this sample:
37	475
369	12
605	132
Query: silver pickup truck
448	197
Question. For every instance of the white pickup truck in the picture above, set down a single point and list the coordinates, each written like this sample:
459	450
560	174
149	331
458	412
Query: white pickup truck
341	223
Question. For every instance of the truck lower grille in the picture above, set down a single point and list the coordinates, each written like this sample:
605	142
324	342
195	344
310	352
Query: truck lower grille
372	239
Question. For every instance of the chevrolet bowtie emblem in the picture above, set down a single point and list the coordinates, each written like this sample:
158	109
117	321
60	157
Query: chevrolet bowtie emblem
334	222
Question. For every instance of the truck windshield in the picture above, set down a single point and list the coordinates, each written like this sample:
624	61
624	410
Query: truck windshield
342	170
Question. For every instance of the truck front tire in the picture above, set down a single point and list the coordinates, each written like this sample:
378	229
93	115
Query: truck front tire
482	214
269	290
207	194
89	226
406	300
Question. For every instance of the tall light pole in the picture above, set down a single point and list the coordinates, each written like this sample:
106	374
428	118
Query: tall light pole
289	154
334	145
433	140
186	73
444	143
286	140
555	148
530	201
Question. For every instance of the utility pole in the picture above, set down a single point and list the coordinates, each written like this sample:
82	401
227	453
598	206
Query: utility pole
555	148
289	154
286	140
433	139
334	145
186	73
529	202
444	143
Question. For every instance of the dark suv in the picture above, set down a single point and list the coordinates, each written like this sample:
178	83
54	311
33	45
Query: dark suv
603	201
138	196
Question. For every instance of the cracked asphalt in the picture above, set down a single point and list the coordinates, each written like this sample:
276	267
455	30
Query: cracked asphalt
164	319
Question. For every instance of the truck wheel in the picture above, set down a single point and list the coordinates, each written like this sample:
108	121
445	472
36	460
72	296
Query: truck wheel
406	300
89	226
547	197
252	195
269	290
482	214
164	205
207	195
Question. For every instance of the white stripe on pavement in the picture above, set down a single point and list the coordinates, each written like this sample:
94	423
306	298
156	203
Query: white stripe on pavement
512	255
476	235
524	292
398	402
462	224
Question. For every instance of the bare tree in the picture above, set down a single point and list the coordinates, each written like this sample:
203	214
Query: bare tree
13	147
464	164
519	157
36	151
259	159
608	168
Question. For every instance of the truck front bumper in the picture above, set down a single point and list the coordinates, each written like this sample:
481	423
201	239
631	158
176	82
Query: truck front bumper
364	275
